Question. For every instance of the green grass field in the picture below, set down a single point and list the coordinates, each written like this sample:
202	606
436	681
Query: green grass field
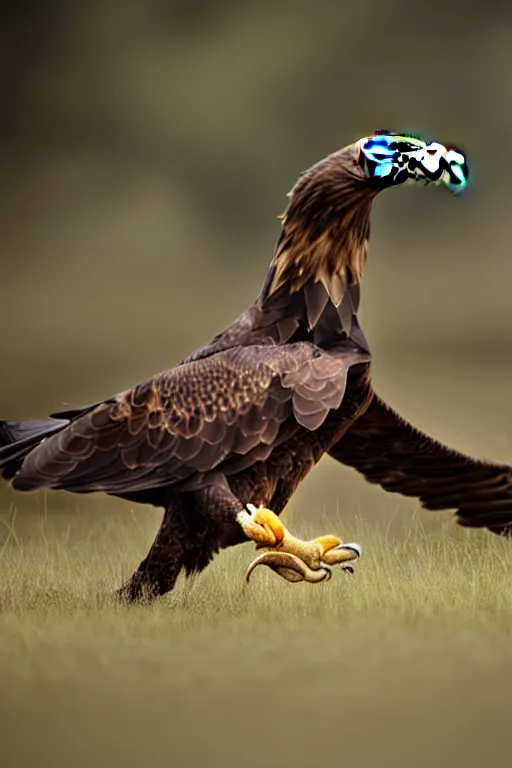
407	663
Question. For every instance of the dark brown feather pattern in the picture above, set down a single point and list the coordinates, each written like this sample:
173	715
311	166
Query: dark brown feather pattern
247	416
190	419
316	245
392	453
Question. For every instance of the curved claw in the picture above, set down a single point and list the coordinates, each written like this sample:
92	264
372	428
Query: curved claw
289	567
354	547
341	554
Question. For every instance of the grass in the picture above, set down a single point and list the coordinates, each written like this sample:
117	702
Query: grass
409	663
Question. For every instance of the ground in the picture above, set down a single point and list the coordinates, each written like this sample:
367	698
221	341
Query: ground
405	664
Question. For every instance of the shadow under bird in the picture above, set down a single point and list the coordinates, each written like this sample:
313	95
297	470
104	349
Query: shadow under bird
222	440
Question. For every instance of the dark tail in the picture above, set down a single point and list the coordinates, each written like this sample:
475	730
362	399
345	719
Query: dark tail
18	438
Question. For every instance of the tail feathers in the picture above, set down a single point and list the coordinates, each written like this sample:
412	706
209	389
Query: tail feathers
18	438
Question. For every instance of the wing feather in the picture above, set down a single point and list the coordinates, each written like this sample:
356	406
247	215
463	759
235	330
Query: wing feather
192	418
392	453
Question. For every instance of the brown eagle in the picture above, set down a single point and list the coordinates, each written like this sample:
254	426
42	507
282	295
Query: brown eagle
222	440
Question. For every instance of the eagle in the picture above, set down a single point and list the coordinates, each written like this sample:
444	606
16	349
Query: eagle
222	440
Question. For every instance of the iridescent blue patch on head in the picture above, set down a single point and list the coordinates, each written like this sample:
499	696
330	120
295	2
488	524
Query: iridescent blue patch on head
389	158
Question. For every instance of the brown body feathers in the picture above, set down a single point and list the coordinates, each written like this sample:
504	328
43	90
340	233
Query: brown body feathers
246	417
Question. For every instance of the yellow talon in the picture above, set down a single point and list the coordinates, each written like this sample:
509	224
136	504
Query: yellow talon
328	542
303	557
262	526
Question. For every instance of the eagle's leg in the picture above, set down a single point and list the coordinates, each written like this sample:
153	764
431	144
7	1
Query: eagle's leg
195	525
293	558
159	570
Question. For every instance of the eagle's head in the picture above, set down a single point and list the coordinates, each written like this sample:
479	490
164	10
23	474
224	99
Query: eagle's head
387	158
324	238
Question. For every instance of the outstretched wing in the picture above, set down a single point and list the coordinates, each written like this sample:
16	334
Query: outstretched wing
389	451
184	423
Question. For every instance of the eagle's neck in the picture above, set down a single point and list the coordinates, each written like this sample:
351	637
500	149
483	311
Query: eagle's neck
320	256
311	292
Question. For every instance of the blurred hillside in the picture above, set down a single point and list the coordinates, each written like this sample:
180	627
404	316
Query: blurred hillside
147	148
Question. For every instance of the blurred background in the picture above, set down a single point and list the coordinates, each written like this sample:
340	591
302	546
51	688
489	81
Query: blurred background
147	148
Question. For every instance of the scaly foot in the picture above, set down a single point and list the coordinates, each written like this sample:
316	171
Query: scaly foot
290	557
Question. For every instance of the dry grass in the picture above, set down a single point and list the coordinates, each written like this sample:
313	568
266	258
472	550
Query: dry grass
409	663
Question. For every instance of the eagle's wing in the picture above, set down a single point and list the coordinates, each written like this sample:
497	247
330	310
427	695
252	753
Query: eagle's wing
186	421
389	451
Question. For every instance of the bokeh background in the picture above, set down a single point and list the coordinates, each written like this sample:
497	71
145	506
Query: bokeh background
146	150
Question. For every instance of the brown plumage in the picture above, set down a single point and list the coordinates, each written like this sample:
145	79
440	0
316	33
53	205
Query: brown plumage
245	418
389	451
314	244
